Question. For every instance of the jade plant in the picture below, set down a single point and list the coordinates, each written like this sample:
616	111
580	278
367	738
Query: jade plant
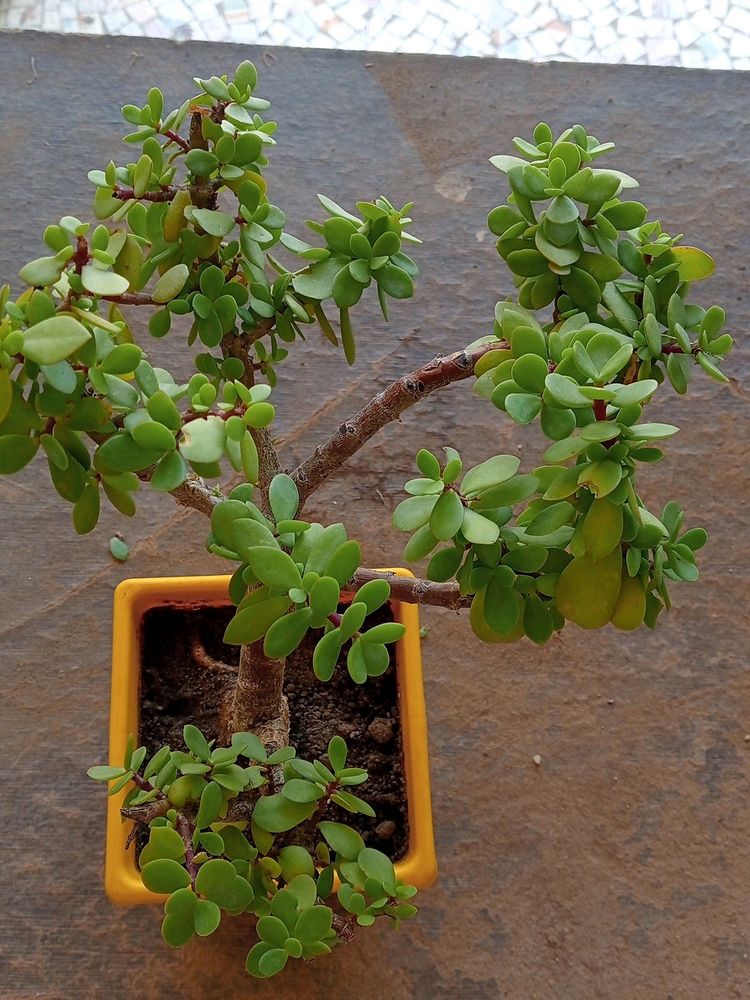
599	325
235	829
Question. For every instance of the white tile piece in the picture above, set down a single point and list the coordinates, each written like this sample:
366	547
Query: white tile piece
691	33
738	20
739	48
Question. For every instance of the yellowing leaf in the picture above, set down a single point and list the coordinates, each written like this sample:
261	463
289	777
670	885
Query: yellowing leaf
602	528
631	604
587	591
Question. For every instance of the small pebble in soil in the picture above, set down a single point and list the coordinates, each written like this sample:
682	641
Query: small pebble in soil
385	830
537	759
381	730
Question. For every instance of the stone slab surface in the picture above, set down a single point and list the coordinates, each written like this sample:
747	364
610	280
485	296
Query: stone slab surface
618	869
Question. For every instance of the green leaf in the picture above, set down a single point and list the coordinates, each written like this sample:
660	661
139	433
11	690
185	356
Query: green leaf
477	529
203	440
491	473
710	368
395	281
16	451
206	917
376	865
177	927
170	473
601	477
551	518
522	406
286	633
218	880
344	562
86	507
653	432
326	654
374	594
119	549
283	496
212	799
253	622
337	753
501	606
413	513
104	773
274	567
313	924
153	435
164	875
201	162
342	839
347	336
214	223
103	282
447	516
272	962
299	790
54	339
385	632
163	842
277	814
317	281
565	391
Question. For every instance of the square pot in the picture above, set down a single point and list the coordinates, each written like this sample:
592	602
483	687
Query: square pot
132	599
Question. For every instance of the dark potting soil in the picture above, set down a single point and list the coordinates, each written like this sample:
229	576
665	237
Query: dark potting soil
176	689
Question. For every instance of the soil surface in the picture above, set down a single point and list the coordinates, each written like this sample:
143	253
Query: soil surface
176	689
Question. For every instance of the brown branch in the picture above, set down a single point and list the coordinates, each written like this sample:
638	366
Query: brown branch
192	493
144	812
185	829
413	590
237	346
256	703
388	405
130	299
128	194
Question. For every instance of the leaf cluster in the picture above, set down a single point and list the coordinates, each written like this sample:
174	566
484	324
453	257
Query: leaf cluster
307	879
186	230
290	580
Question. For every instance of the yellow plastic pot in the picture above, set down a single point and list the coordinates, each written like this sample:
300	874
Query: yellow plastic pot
132	599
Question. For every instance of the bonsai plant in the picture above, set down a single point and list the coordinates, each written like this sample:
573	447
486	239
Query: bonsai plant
599	322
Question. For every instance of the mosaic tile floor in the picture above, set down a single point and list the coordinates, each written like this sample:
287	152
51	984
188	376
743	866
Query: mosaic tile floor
695	33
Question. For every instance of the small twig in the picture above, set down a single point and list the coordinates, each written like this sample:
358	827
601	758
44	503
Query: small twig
34	74
130	299
177	139
186	829
128	194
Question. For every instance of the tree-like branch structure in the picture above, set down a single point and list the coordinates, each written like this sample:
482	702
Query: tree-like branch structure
386	406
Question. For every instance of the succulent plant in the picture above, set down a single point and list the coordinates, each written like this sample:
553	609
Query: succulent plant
600	325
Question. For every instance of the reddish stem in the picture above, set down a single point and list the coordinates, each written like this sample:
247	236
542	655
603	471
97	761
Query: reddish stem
177	138
600	409
128	194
